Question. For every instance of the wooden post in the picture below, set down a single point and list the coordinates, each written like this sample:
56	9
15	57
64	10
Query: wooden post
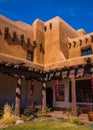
44	95
74	107
18	97
26	98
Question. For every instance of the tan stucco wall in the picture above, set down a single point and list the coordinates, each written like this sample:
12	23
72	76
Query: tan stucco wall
52	42
39	36
75	51
7	46
66	32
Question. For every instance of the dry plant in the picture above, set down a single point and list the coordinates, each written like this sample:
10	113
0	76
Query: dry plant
69	112
41	110
8	115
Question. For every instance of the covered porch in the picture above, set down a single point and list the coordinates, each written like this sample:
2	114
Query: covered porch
28	82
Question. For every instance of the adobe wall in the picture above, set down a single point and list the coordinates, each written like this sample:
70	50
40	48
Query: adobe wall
55	44
66	32
56	40
39	37
52	42
7	46
77	44
34	32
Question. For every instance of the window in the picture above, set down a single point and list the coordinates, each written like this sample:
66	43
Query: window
61	92
30	55
87	51
83	91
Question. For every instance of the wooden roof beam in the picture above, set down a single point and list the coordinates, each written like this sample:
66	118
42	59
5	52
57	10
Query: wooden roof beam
30	69
8	64
80	42
21	63
22	38
6	32
74	43
69	45
2	62
16	66
34	44
28	43
91	38
81	66
86	39
14	36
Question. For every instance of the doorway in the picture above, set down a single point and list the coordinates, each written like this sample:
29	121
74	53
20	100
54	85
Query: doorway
49	97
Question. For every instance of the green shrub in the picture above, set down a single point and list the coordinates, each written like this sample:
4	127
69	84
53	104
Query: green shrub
58	117
74	120
41	110
28	111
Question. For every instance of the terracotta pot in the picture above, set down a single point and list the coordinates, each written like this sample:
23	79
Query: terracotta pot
90	115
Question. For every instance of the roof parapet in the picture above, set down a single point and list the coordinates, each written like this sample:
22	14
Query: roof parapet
80	41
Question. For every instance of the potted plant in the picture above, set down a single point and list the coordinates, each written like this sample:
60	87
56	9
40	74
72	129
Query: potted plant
90	112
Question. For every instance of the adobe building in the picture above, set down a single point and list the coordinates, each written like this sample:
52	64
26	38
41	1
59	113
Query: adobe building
46	63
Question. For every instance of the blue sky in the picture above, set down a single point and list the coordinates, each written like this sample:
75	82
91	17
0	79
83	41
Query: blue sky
77	13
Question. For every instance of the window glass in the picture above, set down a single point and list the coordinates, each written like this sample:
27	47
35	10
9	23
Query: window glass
87	51
30	55
60	95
